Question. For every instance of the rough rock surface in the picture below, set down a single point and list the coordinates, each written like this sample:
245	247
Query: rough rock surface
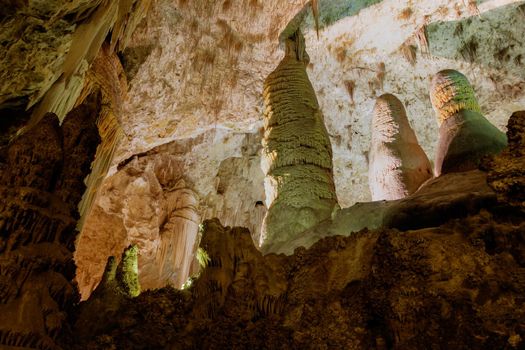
208	94
297	154
136	199
159	215
507	171
457	285
41	183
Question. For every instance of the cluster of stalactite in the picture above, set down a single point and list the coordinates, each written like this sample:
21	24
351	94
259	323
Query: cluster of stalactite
297	154
41	183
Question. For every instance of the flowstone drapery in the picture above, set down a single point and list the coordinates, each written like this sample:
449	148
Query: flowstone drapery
297	154
465	135
398	164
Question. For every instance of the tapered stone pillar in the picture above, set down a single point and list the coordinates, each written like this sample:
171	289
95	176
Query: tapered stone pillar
398	164
465	135
297	154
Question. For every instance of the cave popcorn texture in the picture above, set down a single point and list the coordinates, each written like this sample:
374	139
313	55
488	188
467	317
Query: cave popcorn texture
297	154
465	135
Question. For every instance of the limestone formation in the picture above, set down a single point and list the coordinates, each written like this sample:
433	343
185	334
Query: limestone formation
297	154
119	283
465	135
107	75
41	183
457	283
159	214
397	164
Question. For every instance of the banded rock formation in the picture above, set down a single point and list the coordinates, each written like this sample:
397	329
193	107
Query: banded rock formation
297	154
398	165
41	184
465	135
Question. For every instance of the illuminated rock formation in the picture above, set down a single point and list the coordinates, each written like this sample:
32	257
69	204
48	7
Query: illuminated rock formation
397	164
297	154
41	183
119	283
465	135
159	215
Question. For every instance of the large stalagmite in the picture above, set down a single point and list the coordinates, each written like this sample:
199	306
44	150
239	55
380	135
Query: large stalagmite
297	154
398	164
465	135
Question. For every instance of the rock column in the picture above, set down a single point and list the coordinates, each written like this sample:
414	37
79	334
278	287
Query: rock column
297	154
398	164
465	135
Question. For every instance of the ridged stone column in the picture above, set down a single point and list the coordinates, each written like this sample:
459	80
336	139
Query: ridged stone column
297	154
465	135
398	164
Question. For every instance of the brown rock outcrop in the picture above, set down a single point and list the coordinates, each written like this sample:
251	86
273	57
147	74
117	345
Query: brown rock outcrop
507	171
41	183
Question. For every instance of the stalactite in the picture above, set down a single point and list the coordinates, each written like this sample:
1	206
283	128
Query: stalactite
106	75
297	154
398	165
118	17
465	135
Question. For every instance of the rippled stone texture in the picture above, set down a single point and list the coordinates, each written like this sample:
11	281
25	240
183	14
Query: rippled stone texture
398	165
297	154
465	135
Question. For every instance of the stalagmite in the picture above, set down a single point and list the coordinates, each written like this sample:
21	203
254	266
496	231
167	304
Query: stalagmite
398	165
465	135
297	154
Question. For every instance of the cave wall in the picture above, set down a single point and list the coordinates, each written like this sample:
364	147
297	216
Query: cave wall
41	183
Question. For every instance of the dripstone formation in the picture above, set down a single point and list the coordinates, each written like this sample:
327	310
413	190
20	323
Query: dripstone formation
465	135
297	154
457	285
398	165
41	183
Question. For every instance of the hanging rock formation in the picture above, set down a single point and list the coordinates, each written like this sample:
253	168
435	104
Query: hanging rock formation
465	135
398	165
159	213
297	154
41	183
